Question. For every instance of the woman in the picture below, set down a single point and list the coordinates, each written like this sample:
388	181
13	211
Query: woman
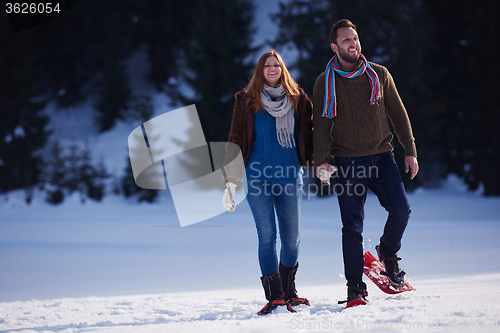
272	126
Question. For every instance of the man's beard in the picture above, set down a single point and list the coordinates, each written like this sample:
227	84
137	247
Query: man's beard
344	54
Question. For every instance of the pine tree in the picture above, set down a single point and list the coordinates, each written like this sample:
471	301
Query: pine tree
130	188
304	26
218	61
128	183
60	61
461	103
72	176
141	109
167	29
23	128
91	178
56	173
114	96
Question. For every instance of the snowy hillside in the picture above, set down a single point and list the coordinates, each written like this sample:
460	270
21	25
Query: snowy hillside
123	266
110	267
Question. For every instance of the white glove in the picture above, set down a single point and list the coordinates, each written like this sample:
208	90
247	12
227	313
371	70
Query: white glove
325	174
227	199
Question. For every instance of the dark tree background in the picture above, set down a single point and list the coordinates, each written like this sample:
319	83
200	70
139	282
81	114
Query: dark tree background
82	54
441	54
217	61
442	57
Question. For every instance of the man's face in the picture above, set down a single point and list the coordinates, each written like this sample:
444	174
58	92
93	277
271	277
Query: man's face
348	46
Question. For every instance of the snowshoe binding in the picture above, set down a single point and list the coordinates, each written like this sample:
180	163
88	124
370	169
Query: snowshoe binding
393	272
269	307
356	295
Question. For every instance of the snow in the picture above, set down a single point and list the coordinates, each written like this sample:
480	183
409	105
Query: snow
234	311
121	266
19	132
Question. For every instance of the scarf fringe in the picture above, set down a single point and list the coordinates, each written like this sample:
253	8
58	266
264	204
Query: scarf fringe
282	110
285	139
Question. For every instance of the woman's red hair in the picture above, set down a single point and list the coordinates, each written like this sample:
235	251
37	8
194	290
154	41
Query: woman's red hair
256	84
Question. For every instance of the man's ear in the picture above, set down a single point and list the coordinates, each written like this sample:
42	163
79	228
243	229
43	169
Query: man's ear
334	47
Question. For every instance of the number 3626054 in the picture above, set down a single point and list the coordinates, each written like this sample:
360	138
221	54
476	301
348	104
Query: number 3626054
32	8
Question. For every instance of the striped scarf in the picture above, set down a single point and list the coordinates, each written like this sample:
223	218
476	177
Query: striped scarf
330	101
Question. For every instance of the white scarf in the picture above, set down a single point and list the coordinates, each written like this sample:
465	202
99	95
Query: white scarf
278	105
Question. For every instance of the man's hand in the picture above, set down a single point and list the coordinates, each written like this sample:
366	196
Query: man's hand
411	163
325	171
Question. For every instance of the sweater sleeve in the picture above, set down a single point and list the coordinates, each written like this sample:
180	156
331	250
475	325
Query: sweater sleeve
308	126
398	115
233	170
322	125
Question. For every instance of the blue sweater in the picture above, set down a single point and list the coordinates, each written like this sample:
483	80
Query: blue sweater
268	160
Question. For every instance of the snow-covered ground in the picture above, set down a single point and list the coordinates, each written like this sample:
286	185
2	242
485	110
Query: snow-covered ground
120	266
444	305
123	266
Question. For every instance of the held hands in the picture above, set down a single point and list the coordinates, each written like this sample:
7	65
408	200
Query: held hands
325	171
227	199
411	163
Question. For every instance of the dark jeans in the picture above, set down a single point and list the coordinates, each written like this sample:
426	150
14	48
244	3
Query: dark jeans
268	200
355	176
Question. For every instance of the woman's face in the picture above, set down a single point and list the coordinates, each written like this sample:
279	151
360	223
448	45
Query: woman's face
272	71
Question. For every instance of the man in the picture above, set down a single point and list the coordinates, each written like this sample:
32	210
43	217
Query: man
352	100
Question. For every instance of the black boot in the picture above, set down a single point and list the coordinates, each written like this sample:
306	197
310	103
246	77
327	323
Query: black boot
288	283
393	272
356	295
274	294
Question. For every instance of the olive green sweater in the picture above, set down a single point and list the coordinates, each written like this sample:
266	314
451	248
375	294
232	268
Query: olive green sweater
360	129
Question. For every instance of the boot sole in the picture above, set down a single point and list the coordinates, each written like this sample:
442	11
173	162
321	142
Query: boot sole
355	302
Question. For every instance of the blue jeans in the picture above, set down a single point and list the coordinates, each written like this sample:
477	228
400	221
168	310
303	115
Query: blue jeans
355	176
264	198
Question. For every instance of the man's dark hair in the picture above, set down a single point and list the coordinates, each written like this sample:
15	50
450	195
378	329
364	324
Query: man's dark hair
344	23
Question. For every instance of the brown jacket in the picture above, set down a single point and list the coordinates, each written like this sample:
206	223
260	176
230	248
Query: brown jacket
242	132
360	129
